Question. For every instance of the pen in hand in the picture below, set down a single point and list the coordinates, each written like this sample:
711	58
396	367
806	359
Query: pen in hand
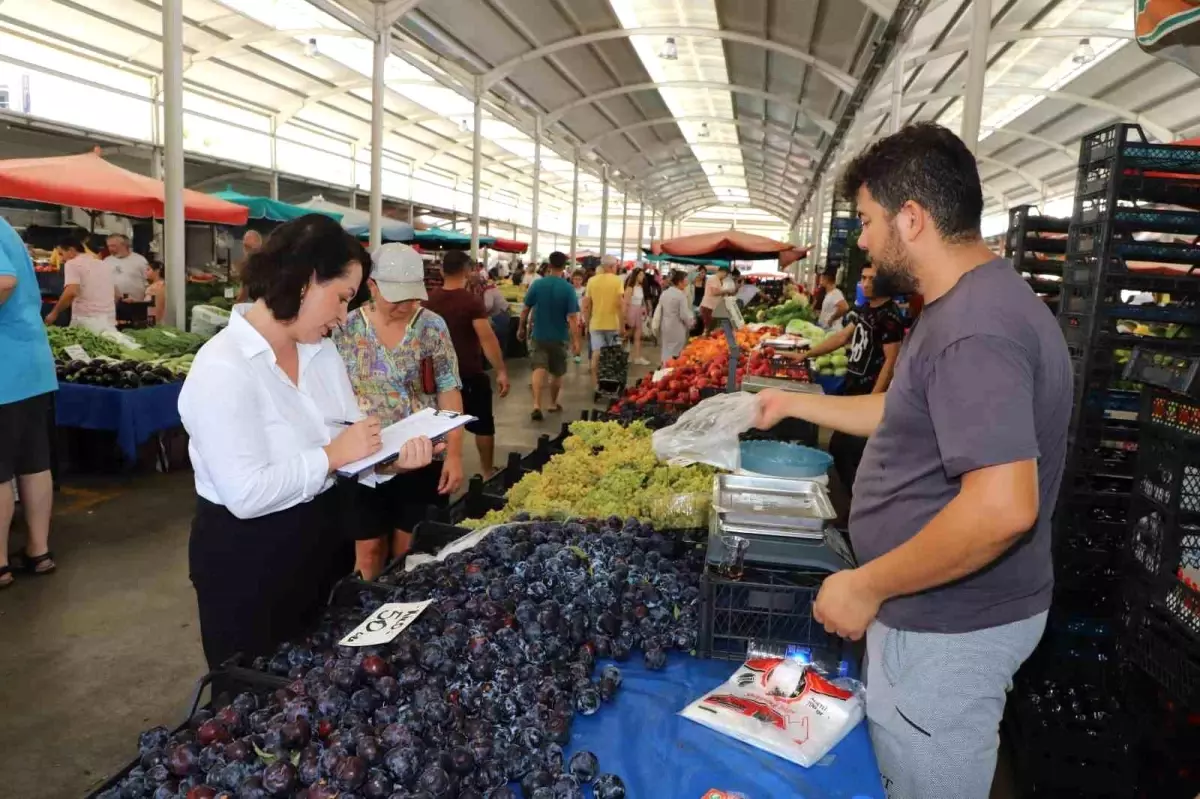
338	423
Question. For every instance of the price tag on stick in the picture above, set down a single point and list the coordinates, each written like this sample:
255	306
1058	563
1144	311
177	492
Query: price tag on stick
386	623
77	352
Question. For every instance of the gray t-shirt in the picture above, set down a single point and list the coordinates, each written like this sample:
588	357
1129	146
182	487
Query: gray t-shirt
983	379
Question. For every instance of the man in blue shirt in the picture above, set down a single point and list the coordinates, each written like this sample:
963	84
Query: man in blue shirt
26	382
555	308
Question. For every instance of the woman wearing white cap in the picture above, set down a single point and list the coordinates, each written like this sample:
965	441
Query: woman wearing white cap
401	360
266	405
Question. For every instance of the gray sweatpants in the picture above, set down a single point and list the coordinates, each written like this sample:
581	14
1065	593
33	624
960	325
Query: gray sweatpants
934	703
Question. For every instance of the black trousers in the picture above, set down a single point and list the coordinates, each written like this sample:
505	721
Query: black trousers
847	452
263	581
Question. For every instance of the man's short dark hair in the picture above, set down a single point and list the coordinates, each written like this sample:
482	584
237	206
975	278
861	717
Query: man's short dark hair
313	245
929	165
558	260
455	263
71	243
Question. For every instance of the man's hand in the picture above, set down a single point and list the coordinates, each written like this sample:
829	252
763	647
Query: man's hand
846	604
773	407
520	332
452	476
51	318
502	383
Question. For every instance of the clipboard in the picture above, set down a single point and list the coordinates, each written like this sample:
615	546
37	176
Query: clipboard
434	424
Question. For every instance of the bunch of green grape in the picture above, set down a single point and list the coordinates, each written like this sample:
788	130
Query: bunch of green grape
610	470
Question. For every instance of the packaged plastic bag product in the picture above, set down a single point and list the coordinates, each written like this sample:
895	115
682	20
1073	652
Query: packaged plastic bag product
708	433
784	707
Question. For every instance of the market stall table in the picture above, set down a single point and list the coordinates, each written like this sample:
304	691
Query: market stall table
658	753
134	414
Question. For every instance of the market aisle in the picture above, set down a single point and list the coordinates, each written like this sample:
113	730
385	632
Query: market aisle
109	645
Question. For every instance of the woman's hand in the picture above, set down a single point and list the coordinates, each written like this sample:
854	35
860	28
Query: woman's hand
357	441
452	476
415	454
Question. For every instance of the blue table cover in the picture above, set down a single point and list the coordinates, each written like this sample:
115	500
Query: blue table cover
830	384
641	737
135	414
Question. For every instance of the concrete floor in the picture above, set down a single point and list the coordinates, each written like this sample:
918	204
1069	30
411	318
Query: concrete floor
109	645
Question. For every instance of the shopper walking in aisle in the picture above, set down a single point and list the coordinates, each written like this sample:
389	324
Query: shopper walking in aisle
603	311
471	332
833	303
695	297
675	315
264	406
88	290
401	360
555	318
129	268
952	505
873	333
156	293
578	282
634	302
26	383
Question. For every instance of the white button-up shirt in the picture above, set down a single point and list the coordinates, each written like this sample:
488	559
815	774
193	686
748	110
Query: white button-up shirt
257	440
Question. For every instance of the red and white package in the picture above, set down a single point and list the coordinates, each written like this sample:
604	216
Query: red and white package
783	707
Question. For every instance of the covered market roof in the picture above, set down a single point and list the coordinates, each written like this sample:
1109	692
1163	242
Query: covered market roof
708	108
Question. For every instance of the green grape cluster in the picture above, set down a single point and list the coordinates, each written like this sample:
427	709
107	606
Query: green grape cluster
610	470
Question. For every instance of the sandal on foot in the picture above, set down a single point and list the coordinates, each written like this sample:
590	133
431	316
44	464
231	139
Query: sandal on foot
31	563
6	571
556	409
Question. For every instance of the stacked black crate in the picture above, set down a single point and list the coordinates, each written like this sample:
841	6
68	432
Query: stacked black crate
1037	245
843	221
1067	696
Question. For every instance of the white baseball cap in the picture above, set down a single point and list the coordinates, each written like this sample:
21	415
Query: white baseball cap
399	272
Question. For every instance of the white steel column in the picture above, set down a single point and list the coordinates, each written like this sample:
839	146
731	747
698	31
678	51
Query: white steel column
624	218
818	226
575	210
604	211
537	187
977	57
897	91
274	188
382	40
641	239
476	169
175	250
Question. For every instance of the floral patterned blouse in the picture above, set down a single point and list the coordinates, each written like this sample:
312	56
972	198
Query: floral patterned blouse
388	382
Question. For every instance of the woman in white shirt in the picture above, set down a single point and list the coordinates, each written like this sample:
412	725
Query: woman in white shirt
271	416
635	312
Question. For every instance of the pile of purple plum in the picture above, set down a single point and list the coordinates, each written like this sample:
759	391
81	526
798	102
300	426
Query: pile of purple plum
475	700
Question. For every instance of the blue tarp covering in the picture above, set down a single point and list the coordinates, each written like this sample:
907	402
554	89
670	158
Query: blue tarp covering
135	414
660	755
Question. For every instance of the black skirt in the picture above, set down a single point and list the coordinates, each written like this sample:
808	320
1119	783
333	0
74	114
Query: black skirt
399	504
263	581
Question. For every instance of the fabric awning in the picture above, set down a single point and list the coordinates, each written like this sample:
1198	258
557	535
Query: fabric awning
508	245
440	239
729	245
88	181
272	210
358	223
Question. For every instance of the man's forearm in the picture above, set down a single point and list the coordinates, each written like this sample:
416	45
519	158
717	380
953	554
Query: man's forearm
965	536
64	301
885	376
856	416
491	350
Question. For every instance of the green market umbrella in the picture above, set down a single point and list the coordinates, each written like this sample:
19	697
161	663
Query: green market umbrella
273	210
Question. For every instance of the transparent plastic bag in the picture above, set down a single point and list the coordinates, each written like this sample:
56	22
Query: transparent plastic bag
708	433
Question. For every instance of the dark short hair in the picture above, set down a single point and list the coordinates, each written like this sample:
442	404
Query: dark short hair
678	276
71	242
158	266
558	260
926	164
313	245
830	275
455	263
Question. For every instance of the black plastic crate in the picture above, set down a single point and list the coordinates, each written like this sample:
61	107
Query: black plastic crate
220	686
772	605
1155	642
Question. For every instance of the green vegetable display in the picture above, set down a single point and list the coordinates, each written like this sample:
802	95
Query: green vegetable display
96	345
781	315
166	342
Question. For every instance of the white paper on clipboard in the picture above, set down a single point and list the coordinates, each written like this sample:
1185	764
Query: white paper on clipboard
428	422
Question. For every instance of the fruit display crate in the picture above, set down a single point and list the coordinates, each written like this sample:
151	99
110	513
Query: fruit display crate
219	686
764	605
1030	235
1155	641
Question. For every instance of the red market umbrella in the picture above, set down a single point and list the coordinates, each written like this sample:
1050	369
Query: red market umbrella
509	245
729	245
88	181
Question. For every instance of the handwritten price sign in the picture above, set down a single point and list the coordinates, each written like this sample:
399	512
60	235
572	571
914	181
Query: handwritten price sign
385	623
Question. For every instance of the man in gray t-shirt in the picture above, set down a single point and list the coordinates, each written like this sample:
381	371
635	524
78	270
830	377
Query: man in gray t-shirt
950	519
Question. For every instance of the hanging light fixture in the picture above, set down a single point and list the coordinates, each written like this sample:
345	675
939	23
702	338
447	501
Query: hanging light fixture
464	125
720	169
310	48
669	51
1084	53
703	134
